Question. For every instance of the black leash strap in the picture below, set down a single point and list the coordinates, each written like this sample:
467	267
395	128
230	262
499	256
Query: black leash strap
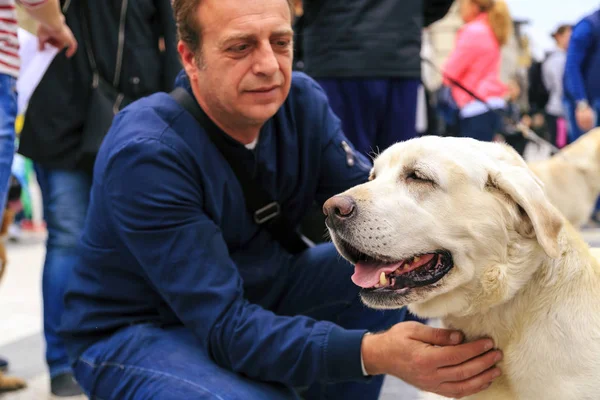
525	130
265	210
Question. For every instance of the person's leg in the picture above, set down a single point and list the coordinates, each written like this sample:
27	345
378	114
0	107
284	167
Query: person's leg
319	286
399	121
574	131
481	127
355	102
8	114
148	362
552	125
65	197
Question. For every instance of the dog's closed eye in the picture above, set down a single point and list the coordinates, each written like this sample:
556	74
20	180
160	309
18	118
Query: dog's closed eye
418	177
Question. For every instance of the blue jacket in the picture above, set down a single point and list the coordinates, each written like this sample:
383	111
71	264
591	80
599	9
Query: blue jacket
168	238
581	79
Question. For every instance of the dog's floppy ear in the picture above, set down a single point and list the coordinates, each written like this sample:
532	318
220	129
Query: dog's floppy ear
526	190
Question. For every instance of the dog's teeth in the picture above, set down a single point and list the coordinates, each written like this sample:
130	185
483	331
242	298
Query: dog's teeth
382	279
416	259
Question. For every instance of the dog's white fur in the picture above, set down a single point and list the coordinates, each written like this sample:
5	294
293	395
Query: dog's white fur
522	275
572	177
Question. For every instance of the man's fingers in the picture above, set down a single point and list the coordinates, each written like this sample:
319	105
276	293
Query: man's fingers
435	336
470	368
470	386
455	355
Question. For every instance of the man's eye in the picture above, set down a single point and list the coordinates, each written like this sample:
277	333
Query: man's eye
282	43
240	48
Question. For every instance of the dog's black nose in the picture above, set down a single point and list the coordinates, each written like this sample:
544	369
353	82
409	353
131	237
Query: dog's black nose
339	207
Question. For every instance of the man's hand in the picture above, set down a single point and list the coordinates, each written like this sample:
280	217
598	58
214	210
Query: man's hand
432	359
59	37
585	118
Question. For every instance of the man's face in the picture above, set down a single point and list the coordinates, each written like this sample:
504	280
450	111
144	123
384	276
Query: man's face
246	59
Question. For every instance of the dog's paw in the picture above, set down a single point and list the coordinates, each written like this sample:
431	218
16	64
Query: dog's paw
9	383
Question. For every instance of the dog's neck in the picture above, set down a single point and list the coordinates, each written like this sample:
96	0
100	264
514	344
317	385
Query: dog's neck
497	308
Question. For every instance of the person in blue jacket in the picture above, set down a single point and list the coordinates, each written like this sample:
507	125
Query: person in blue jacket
179	294
581	80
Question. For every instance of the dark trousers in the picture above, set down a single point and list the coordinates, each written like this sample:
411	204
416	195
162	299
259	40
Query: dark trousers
375	113
481	127
146	361
552	128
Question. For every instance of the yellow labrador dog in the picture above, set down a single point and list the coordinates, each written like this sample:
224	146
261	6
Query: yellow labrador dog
461	230
572	178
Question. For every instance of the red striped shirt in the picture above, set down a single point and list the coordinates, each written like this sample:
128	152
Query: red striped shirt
9	43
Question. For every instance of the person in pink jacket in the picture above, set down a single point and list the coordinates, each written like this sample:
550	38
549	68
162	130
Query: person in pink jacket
475	63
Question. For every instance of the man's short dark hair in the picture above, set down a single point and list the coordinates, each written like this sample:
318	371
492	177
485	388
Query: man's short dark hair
188	27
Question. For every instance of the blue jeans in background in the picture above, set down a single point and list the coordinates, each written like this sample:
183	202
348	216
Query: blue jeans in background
375	113
169	363
65	196
8	114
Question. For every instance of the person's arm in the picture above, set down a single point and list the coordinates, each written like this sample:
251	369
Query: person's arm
46	12
170	60
53	29
156	201
579	45
574	86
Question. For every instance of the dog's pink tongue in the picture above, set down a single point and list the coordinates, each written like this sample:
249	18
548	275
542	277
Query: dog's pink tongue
367	274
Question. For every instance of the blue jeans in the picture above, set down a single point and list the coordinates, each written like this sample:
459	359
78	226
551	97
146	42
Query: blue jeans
147	361
375	113
65	196
8	114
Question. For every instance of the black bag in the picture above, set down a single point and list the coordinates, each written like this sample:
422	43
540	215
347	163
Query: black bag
105	100
537	92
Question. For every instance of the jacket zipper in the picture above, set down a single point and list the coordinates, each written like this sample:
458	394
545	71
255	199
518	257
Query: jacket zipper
349	153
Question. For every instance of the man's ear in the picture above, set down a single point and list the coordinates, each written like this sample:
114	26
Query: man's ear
526	190
188	59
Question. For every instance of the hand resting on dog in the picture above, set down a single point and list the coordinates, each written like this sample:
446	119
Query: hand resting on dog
431	359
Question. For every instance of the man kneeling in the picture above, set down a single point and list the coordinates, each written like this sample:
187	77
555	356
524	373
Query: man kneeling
181	294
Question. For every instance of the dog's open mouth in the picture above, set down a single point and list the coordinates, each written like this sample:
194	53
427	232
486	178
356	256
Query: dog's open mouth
374	273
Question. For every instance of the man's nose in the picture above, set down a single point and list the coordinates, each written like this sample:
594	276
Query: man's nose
266	61
339	207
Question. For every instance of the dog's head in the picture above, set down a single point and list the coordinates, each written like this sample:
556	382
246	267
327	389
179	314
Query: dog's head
445	225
